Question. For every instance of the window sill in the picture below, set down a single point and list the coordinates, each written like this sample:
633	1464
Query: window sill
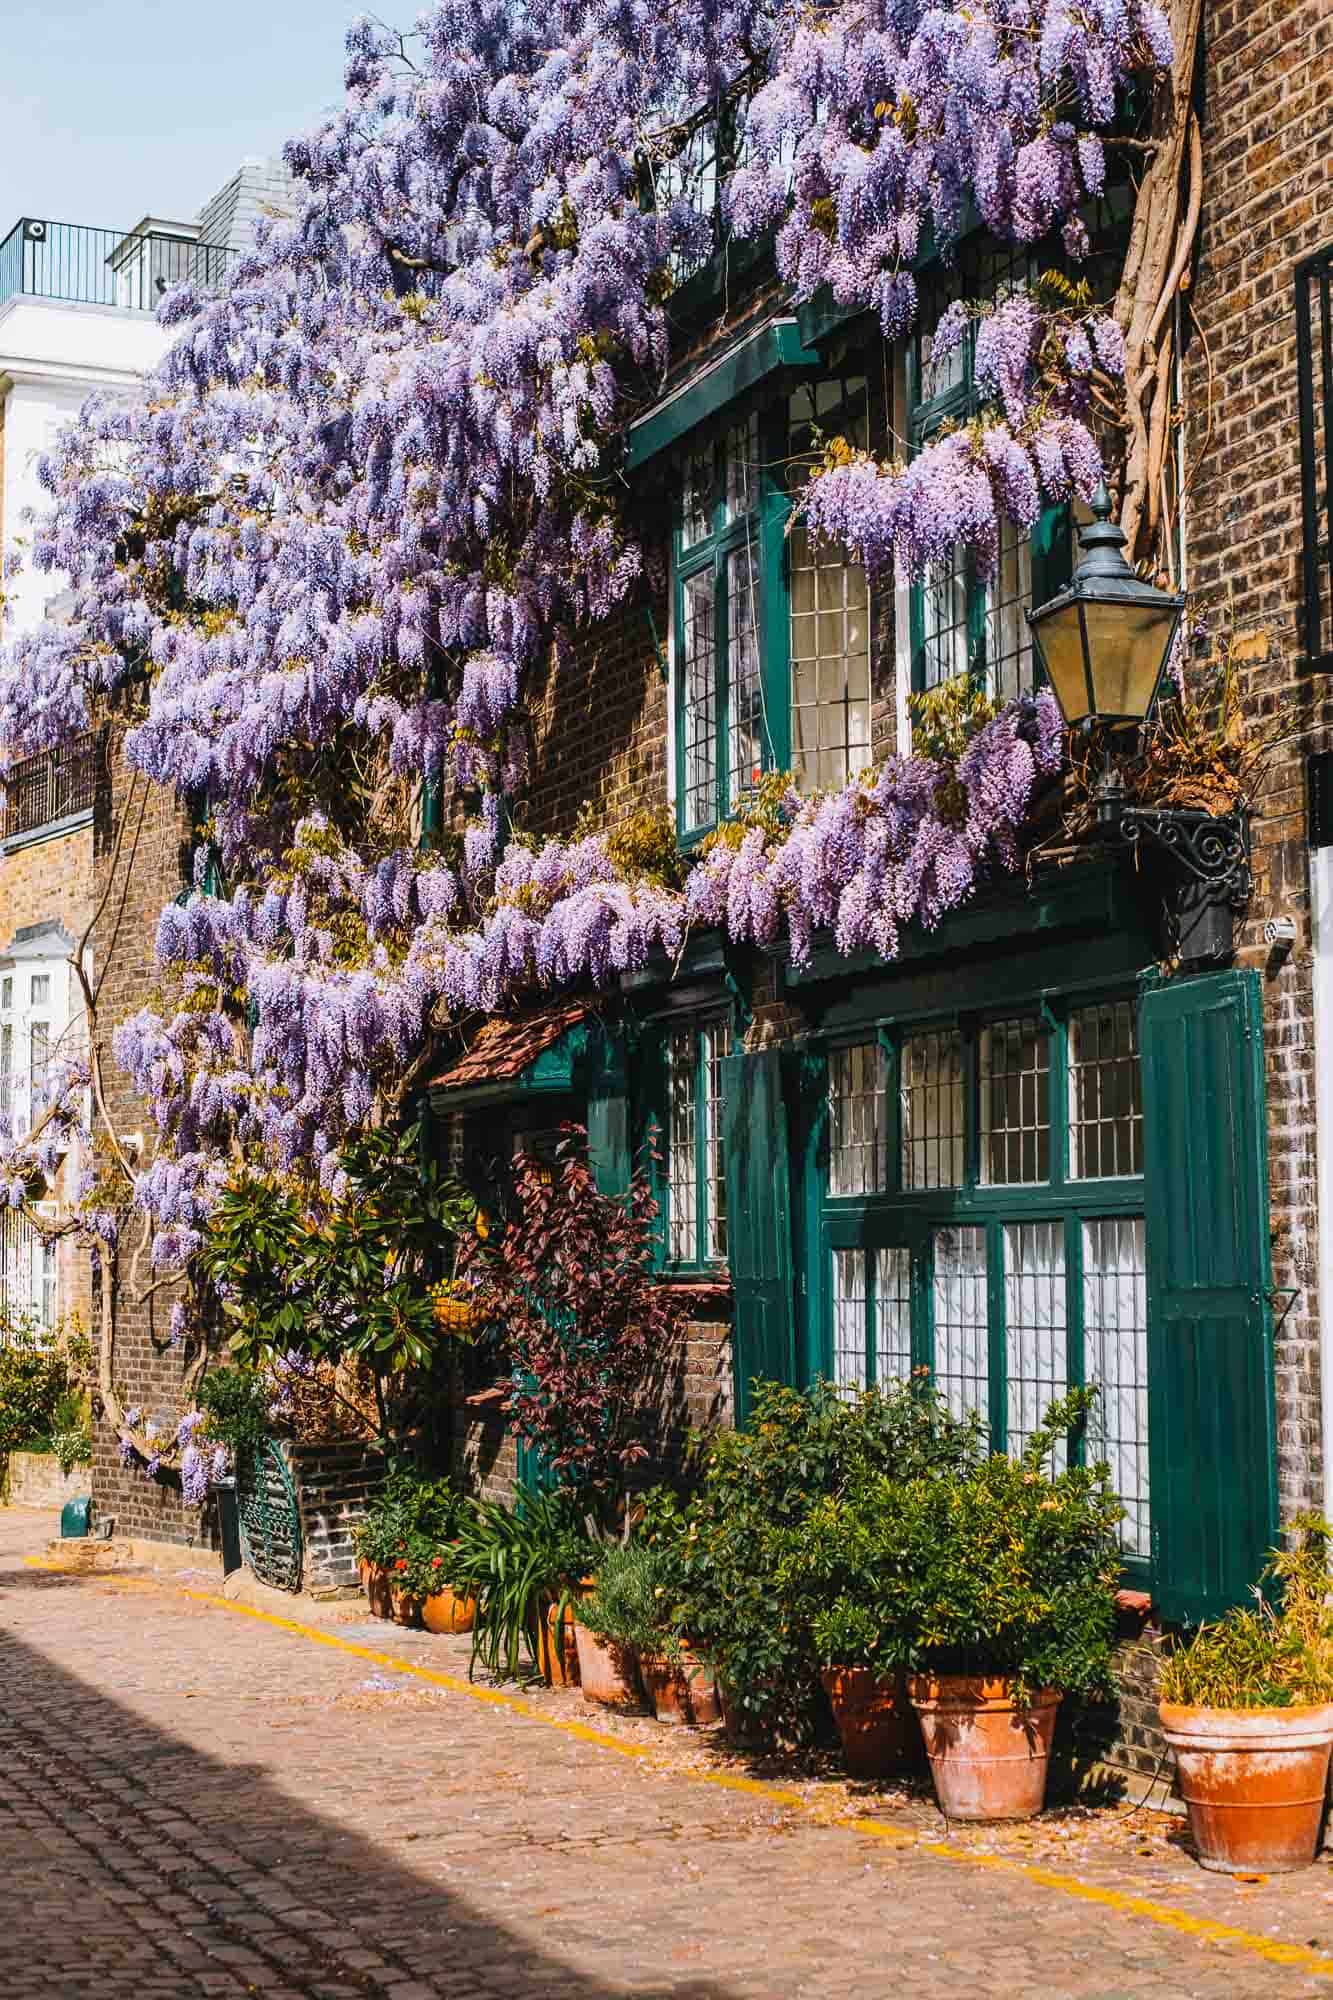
696	1289
488	1399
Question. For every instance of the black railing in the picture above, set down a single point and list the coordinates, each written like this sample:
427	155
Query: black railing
1314	369
54	786
103	267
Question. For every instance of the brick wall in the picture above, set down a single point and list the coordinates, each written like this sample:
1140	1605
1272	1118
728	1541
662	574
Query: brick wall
335	1484
1268	202
137	880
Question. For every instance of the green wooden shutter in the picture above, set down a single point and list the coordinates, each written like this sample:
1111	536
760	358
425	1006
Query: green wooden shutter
1051	552
608	1112
1211	1421
758	1221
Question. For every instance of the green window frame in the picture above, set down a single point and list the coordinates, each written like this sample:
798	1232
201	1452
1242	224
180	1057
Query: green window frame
958	623
692	1186
982	1219
771	640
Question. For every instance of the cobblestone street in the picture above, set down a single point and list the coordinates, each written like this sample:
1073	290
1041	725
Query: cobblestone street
200	1801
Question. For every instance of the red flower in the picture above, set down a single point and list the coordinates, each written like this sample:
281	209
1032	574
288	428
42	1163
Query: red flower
436	1562
400	1565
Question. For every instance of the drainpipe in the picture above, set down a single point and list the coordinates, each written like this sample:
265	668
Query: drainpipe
1321	921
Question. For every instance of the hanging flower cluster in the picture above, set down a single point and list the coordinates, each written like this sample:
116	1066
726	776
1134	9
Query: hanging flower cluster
374	485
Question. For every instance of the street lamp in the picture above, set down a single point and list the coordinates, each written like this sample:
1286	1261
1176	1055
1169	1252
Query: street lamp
1104	641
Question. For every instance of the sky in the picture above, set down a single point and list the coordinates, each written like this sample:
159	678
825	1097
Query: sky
114	109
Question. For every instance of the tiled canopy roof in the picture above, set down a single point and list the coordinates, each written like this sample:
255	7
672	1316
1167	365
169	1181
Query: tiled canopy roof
504	1049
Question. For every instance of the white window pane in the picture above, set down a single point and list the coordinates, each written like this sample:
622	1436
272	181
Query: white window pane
745	695
1015	1102
849	1322
716	1038
830	662
893	1316
931	1093
1009	669
1115	1323
1105	1092
39	990
699	668
962	1338
856	1119
1036	1355
741	457
945	639
682	1111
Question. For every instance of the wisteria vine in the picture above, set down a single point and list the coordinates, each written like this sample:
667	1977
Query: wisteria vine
376	484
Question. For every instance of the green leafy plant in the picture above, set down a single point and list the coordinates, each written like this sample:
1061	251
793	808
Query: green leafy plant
352	1282
1003	1567
629	1605
413	1521
1266	1656
236	1404
34	1381
725	1547
517	1563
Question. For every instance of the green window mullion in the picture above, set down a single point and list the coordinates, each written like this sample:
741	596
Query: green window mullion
995	1322
872	1283
721	687
774	594
1074	1342
971	1107
922	1330
977	664
1057	1026
891	1045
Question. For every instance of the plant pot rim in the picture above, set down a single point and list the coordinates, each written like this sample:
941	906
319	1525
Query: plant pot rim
976	1691
1309	1722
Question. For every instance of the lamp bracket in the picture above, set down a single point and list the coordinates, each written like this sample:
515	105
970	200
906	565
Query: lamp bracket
1214	850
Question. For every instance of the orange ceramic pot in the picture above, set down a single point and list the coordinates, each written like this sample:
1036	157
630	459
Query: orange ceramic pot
557	1648
607	1672
1253	1781
874	1721
989	1753
443	1611
744	1730
680	1690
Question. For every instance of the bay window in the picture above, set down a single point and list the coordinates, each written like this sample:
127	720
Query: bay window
983	1220
771	628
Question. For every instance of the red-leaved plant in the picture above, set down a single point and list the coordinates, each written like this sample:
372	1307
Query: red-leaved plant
587	1326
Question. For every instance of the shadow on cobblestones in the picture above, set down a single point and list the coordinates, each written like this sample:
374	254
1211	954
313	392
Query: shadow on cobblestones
144	1866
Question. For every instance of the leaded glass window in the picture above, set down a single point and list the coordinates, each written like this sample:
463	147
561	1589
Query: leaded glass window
696	1180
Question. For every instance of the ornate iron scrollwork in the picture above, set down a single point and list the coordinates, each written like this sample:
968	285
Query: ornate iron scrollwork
1211	859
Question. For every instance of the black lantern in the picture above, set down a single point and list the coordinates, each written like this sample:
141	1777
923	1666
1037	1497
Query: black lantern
1105	639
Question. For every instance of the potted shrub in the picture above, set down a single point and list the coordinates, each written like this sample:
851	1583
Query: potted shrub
995	1590
1247	1708
869	1699
522	1566
612	1620
729	1542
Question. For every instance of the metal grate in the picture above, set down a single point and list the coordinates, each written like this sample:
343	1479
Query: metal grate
962	1340
1115	1321
1105	1092
270	1518
1036	1363
1314	373
856	1119
932	1110
54	786
1015	1103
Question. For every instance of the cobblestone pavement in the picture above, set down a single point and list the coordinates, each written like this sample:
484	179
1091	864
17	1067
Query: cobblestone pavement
198	1802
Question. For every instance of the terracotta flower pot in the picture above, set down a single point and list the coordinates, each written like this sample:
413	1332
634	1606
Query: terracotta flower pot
442	1611
704	1700
681	1691
406	1608
874	1721
989	1754
1253	1781
557	1649
376	1581
744	1729
608	1672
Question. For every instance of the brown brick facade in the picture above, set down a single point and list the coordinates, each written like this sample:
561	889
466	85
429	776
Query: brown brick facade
141	840
1268	178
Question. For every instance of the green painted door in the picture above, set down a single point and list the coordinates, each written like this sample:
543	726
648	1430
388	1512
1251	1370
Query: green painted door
758	1221
1210	1369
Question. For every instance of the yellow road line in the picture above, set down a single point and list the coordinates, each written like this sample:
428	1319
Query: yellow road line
1210	1930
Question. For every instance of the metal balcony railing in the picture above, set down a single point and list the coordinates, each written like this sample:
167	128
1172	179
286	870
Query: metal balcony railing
103	267
45	789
